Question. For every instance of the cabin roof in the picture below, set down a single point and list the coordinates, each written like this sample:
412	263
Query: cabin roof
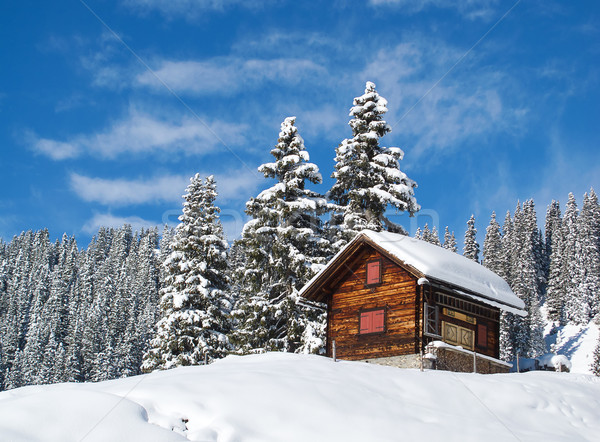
436	264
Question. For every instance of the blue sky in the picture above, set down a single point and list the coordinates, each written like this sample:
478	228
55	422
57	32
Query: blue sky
109	107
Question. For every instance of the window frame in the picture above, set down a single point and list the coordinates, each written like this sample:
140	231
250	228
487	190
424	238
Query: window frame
429	311
372	311
379	261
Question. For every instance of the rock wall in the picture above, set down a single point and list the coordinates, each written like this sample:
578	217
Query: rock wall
444	358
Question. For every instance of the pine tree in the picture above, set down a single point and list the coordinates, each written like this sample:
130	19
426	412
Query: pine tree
492	247
572	272
507	243
557	266
419	233
449	241
430	236
195	303
426	235
435	237
588	259
471	248
368	176
522	249
552	224
282	246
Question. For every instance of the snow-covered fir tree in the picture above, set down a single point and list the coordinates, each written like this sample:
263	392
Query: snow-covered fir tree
195	303
557	266
419	233
430	236
572	273
435	237
522	250
449	241
368	176
283	245
552	224
471	247
492	247
588	260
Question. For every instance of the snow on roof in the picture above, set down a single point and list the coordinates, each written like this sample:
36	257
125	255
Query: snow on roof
439	264
444	265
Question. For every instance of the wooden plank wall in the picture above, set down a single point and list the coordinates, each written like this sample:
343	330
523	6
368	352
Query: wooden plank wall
397	294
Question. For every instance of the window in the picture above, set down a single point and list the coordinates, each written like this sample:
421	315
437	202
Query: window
431	321
374	272
372	321
481	336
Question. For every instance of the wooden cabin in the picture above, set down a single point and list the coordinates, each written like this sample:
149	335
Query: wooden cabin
388	296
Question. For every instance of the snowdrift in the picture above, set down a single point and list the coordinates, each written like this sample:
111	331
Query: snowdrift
286	397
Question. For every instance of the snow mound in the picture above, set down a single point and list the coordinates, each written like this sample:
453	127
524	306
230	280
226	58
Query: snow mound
286	397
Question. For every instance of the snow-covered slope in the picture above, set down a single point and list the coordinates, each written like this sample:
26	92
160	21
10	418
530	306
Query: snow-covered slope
575	342
285	397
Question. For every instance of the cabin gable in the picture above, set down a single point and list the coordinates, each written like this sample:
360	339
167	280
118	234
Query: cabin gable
370	319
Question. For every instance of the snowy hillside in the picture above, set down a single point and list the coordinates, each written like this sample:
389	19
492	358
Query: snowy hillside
286	397
575	342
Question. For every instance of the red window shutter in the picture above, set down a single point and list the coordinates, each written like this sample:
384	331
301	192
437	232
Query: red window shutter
365	322
372	321
481	335
374	272
378	320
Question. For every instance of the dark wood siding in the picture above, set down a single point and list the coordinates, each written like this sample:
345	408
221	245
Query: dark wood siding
397	294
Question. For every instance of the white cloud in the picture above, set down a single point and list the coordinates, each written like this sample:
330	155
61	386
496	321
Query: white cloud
231	185
108	220
190	8
126	192
467	105
142	133
227	74
57	150
322	121
471	9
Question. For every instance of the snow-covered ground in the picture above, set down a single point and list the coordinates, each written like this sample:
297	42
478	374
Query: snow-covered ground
575	342
286	397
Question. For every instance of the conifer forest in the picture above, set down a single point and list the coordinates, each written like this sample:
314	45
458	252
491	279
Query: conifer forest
137	301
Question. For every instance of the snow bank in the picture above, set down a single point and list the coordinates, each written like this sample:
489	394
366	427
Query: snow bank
286	397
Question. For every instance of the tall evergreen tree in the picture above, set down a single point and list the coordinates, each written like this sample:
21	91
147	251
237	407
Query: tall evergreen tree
492	247
471	248
195	302
557	266
588	259
522	248
283	246
368	176
552	224
572	262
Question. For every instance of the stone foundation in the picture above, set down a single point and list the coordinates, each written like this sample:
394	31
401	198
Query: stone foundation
404	361
460	361
446	357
